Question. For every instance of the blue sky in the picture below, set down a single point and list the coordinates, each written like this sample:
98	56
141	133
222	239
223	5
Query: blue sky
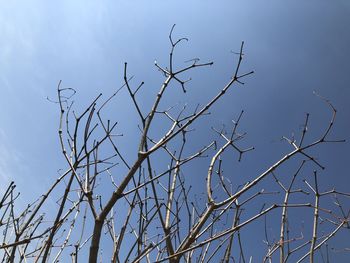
294	47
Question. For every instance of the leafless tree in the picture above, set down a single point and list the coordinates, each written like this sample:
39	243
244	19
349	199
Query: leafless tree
152	214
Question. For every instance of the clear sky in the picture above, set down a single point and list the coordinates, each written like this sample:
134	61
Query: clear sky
294	47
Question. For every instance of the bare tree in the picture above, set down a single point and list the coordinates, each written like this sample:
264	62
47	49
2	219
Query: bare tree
117	207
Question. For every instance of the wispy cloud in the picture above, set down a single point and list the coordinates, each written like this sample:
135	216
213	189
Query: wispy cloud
12	163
